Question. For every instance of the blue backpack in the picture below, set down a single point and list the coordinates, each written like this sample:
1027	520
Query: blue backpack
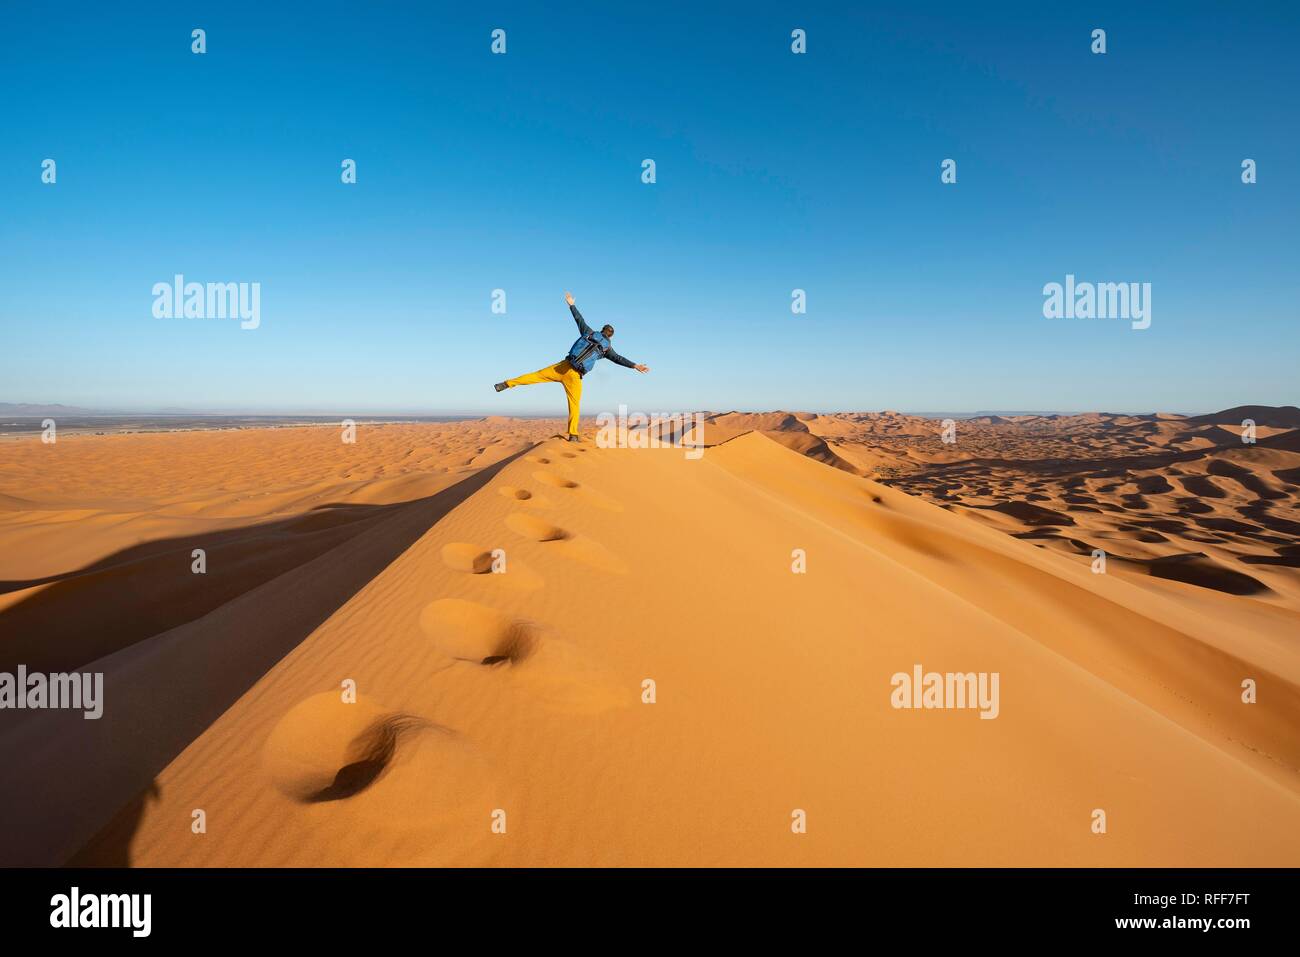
584	353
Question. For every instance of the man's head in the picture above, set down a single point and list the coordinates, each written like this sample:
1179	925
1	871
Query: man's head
607	331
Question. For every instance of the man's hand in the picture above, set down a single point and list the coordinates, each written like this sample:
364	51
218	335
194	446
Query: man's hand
568	297
640	368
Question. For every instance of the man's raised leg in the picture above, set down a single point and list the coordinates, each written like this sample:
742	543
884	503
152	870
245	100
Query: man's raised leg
548	374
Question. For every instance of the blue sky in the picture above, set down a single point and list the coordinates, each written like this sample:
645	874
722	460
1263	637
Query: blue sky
775	171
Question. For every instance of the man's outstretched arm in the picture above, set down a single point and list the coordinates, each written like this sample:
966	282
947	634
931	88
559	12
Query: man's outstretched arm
577	316
628	363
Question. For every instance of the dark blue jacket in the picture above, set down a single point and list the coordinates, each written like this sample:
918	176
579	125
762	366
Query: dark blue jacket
591	347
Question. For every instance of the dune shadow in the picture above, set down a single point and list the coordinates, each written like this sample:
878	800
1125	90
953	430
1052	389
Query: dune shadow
177	650
111	847
1195	568
147	589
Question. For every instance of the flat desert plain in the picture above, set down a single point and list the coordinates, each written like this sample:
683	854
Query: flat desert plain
472	643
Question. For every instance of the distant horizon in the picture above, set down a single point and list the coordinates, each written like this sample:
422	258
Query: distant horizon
254	411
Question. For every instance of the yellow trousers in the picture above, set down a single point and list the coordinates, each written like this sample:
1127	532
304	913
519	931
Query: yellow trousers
564	374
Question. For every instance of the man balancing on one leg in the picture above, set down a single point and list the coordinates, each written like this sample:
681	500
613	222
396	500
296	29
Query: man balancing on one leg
583	354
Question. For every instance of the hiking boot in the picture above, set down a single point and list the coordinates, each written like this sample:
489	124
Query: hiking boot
574	438
500	387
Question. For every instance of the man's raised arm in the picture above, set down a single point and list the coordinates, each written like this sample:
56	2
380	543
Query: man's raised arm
577	316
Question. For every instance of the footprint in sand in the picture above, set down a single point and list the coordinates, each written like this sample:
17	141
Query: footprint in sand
551	670
464	557
524	497
540	460
375	779
530	526
327	750
476	560
588	494
565	542
468	631
553	480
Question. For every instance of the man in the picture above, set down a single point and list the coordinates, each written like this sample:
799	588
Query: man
590	347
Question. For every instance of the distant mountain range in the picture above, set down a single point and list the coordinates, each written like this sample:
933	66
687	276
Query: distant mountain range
29	408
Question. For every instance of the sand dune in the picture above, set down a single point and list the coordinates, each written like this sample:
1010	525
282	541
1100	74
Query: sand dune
1180	499
479	692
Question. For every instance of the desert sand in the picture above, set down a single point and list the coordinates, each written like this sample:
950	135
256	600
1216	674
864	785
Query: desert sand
503	718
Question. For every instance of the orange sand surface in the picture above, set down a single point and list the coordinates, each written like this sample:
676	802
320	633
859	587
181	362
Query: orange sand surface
502	717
